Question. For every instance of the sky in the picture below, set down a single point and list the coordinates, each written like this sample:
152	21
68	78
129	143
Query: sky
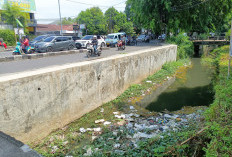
47	11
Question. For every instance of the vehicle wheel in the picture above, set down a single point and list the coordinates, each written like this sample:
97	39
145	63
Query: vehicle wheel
49	49
70	47
31	51
78	46
103	45
87	45
89	53
124	47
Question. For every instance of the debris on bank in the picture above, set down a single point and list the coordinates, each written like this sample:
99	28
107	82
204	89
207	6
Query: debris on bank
132	127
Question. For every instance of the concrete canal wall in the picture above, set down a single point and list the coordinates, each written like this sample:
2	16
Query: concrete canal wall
34	103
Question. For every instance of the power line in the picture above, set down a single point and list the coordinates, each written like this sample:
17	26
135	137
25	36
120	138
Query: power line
85	3
196	4
118	3
78	2
189	3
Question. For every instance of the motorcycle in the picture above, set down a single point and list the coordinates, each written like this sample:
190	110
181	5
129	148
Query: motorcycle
90	50
18	50
121	45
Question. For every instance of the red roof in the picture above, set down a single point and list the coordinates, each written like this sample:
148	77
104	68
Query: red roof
50	27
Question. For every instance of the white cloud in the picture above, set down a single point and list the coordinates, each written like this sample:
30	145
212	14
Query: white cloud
48	9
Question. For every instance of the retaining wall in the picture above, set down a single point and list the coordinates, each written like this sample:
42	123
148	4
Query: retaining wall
34	103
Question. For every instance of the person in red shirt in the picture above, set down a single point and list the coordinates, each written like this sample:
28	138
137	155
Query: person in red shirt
25	44
3	44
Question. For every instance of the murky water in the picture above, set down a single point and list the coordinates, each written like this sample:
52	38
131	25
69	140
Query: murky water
194	89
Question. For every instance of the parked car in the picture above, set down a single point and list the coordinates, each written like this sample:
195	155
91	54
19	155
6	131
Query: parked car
38	39
55	43
75	38
112	39
162	37
85	41
141	38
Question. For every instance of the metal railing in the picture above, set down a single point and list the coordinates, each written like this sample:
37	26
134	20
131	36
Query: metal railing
214	38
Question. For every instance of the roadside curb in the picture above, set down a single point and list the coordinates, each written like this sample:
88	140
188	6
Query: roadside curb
39	55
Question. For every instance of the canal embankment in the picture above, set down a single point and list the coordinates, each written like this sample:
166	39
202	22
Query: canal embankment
218	137
34	103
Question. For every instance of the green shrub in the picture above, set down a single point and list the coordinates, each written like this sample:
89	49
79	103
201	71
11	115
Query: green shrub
203	36
8	36
185	46
219	116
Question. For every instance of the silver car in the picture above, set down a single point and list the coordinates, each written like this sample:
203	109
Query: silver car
55	43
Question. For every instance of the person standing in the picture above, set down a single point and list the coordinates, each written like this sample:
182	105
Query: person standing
3	44
123	40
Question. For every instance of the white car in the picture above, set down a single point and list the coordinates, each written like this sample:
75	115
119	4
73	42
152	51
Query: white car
141	38
85	41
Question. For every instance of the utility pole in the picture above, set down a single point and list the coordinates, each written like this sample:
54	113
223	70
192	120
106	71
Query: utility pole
61	30
230	53
110	23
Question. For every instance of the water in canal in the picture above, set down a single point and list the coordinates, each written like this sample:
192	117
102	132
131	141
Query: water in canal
194	89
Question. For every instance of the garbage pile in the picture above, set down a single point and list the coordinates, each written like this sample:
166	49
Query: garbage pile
131	128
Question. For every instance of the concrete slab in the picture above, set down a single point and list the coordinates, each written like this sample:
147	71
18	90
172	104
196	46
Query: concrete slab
10	147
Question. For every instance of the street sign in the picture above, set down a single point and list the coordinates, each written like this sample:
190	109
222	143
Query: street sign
26	5
19	31
82	26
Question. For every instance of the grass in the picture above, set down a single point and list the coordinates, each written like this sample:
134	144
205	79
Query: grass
219	116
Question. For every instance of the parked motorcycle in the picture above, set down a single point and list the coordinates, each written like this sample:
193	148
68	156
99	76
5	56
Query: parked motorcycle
121	45
18	49
90	50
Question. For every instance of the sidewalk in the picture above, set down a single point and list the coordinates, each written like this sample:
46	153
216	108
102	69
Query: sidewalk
10	147
7	56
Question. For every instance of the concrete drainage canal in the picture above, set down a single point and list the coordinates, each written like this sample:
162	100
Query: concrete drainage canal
161	119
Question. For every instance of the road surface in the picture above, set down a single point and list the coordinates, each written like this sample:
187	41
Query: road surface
7	68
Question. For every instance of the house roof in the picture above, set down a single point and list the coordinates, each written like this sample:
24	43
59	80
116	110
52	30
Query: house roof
53	27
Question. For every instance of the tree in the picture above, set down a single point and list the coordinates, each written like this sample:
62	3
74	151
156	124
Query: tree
111	19
67	21
118	22
11	13
94	20
123	24
179	15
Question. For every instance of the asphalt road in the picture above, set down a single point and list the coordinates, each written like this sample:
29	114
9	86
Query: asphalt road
10	147
7	68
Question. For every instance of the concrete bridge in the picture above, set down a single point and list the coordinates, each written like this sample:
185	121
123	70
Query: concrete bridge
217	40
34	103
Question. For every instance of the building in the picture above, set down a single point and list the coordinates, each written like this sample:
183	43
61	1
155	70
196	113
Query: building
28	6
55	29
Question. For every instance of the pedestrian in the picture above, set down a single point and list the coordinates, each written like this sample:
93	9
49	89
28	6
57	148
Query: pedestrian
2	43
123	40
134	39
